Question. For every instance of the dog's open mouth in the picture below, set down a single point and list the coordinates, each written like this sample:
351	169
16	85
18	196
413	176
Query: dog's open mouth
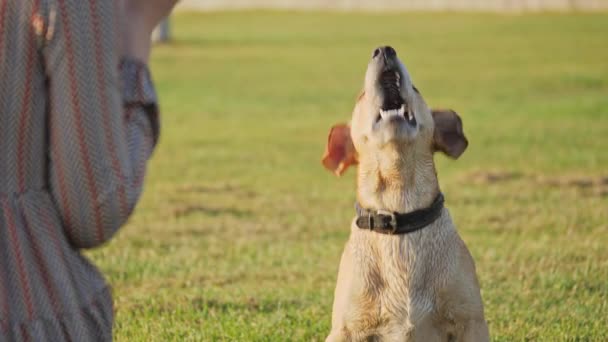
394	106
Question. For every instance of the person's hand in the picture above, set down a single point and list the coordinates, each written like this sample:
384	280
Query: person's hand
141	17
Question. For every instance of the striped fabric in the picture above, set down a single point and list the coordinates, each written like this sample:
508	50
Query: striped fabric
77	125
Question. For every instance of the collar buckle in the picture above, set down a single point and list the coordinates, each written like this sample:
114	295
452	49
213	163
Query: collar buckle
390	220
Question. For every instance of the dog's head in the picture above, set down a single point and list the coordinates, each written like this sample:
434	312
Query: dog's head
390	114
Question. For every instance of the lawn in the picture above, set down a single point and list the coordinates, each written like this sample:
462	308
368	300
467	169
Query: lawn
239	232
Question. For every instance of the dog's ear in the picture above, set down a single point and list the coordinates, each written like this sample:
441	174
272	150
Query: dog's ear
340	152
448	137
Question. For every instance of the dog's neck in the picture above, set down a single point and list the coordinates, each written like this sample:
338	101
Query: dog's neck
396	180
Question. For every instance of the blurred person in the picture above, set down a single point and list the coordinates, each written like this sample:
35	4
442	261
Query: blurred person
78	122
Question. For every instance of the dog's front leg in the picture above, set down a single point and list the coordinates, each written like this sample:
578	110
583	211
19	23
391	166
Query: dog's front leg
341	297
337	335
476	330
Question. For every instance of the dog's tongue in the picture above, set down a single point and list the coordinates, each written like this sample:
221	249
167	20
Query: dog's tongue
390	85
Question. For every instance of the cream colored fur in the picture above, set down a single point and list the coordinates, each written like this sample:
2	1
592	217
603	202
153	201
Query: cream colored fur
420	286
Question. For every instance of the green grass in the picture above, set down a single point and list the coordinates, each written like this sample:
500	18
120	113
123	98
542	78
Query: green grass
240	230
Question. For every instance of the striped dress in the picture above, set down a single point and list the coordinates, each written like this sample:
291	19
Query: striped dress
77	126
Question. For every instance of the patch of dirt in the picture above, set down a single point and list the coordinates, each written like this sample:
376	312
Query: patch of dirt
574	181
184	200
246	304
189	209
491	177
587	185
206	189
215	281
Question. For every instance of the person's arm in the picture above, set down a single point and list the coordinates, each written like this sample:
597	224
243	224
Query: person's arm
103	121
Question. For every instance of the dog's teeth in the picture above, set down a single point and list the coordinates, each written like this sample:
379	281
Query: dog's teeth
385	114
397	79
402	110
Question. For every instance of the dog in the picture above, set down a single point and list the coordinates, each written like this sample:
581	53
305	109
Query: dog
405	273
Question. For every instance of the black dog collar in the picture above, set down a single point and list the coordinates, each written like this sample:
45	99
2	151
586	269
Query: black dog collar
394	223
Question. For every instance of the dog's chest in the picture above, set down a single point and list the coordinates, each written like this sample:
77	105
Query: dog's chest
405	291
397	278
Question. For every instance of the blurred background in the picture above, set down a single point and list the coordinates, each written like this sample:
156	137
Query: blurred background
240	230
437	5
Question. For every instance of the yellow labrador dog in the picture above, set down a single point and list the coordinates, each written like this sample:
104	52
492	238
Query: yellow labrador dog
405	274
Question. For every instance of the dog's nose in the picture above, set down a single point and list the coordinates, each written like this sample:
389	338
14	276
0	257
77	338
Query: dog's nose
385	51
